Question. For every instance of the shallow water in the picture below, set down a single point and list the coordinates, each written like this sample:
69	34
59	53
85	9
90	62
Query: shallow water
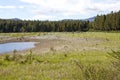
8	47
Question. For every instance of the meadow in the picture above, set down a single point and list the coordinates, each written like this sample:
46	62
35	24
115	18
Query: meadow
63	56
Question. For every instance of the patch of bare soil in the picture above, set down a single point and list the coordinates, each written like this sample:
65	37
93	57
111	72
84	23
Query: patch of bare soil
47	43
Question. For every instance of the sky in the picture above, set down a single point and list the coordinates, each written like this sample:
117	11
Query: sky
56	9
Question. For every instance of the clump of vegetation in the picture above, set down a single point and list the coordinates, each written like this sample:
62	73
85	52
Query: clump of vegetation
116	55
19	58
30	57
7	57
14	55
52	49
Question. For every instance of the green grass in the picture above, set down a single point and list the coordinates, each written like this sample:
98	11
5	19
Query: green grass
65	65
98	35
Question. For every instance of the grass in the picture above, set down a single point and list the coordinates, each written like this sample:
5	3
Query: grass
76	65
102	63
23	34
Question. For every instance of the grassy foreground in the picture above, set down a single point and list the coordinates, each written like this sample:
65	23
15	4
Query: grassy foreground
74	63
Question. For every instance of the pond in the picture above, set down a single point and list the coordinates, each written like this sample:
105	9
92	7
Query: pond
8	47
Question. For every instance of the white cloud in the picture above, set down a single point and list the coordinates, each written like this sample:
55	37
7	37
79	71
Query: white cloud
54	8
21	7
7	7
108	5
43	17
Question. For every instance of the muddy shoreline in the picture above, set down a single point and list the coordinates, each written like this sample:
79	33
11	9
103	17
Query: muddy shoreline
44	44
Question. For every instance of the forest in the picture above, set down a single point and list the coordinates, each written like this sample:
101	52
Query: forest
109	22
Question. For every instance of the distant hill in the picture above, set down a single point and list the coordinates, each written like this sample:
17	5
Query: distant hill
15	19
90	19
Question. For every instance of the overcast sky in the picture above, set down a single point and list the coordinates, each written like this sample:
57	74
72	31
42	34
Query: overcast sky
56	9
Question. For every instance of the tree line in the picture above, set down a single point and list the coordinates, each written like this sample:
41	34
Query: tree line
107	22
43	26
